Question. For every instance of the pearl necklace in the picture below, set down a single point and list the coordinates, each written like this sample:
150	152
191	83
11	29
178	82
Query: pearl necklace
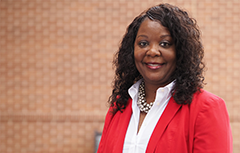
142	103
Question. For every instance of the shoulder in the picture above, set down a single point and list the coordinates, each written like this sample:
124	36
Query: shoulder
208	106
210	121
206	99
210	109
113	113
203	94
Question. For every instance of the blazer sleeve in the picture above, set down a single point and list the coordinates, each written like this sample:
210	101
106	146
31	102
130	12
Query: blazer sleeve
108	119
212	128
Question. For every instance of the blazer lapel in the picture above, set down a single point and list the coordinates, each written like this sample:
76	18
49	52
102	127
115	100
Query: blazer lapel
164	120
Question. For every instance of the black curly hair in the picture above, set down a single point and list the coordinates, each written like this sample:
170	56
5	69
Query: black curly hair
188	74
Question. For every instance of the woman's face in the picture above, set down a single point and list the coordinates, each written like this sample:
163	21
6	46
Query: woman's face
154	53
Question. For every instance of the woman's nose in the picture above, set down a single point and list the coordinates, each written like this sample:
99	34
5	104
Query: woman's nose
153	50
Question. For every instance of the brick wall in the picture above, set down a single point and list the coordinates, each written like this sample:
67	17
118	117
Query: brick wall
56	72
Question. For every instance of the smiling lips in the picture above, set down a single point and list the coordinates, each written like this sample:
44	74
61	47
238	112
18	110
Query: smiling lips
154	66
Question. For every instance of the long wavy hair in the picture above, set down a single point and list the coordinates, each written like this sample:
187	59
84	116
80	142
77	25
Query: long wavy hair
188	74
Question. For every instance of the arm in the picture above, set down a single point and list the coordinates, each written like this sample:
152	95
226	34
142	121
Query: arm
106	124
212	128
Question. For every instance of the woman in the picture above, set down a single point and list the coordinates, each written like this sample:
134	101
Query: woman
157	102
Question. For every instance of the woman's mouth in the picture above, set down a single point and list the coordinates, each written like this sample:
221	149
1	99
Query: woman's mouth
154	66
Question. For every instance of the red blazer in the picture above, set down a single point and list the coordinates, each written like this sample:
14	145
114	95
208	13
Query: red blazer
201	127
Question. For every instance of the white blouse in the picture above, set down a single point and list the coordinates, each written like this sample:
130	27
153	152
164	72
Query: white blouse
137	142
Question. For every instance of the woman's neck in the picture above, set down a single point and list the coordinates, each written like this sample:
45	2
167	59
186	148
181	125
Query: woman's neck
150	92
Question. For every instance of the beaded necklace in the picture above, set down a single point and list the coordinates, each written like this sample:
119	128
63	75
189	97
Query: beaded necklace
142	103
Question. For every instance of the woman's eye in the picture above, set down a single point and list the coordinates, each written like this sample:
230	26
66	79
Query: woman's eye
142	44
165	44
